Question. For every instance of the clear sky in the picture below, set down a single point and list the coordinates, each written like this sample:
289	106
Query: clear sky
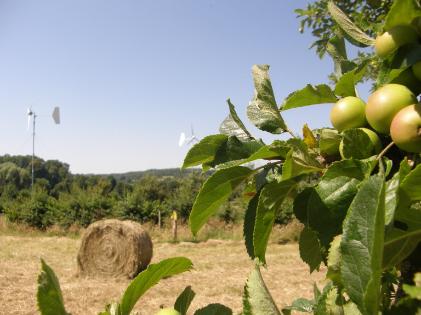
130	75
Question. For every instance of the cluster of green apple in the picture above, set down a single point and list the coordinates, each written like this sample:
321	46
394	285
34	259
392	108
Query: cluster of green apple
391	110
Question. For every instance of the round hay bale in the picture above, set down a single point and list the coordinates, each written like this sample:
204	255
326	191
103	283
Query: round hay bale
114	248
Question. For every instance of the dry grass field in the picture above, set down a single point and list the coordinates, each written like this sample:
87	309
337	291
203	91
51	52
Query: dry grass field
220	270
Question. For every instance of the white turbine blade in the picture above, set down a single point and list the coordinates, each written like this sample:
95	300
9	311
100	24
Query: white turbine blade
182	139
56	115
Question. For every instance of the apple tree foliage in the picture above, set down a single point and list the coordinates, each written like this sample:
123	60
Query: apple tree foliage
361	213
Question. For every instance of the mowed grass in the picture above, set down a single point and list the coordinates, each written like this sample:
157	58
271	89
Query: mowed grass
220	270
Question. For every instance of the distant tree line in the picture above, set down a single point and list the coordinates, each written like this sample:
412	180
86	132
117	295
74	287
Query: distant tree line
65	199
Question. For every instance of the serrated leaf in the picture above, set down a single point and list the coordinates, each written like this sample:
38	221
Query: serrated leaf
308	137
334	260
310	251
259	298
249	223
150	277
214	309
270	200
329	302
49	296
300	305
310	95
184	300
214	192
204	151
346	85
262	110
356	144
362	245
299	161
329	142
348	26
402	12
233	126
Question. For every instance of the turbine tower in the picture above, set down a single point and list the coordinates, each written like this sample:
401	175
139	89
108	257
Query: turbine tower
33	116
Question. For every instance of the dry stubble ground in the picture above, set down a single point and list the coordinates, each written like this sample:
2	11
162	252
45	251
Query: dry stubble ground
221	268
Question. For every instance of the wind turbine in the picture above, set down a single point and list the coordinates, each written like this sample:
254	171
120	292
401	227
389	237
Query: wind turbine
184	140
32	116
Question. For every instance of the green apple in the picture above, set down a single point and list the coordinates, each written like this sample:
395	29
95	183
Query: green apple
374	139
405	129
416	69
384	103
391	40
348	112
168	311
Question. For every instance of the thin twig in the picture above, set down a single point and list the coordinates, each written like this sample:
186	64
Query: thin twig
379	156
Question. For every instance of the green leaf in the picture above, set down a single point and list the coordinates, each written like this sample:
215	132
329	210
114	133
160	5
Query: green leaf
234	151
299	160
184	300
399	244
150	277
233	126
334	260
348	26
310	95
214	192
249	223
349	168
300	305
271	198
259	299
262	110
414	291
214	309
356	144
313	213
402	12
392	191
49	297
204	151
329	142
362	245
329	302
278	150
346	85
406	56
351	308
310	250
411	184
337	50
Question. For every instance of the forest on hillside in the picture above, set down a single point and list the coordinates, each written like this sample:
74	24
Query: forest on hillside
65	199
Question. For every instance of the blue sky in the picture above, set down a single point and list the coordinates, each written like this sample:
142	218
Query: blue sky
130	75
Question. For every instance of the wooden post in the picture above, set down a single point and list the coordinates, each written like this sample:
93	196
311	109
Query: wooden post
159	219
174	218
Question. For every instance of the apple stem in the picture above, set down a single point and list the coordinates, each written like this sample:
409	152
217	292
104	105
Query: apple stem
385	150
